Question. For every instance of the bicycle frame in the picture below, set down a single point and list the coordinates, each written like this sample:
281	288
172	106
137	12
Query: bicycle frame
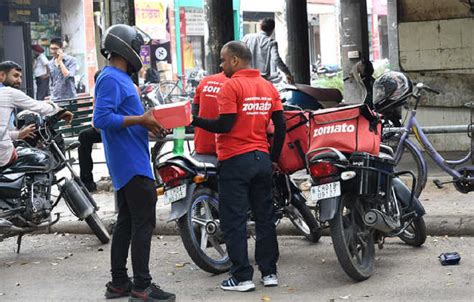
420	136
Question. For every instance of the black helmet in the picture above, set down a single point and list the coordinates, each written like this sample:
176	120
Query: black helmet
390	90
124	41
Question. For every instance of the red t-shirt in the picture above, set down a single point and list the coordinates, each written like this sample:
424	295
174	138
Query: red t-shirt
253	99
206	98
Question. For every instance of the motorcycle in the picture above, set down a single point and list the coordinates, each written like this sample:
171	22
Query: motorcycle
359	195
26	201
191	187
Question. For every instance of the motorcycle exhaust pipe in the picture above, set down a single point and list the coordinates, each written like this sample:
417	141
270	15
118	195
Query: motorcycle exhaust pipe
379	221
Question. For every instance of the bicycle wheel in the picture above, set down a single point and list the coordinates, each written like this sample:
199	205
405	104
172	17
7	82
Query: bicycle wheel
411	160
170	91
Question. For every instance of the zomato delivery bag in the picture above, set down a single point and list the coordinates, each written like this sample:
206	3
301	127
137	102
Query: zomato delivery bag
295	146
348	129
173	115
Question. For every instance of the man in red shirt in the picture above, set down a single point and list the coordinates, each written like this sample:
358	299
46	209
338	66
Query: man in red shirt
205	106
246	104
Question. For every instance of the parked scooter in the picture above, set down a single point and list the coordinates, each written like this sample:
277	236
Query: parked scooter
191	188
26	202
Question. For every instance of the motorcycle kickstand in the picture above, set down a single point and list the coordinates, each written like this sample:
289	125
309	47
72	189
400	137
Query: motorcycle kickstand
18	242
381	242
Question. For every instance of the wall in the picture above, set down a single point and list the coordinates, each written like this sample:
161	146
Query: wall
436	47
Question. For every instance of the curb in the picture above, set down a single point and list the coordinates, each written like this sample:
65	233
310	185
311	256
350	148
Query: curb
437	225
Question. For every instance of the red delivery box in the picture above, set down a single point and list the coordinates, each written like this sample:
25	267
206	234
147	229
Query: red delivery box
173	115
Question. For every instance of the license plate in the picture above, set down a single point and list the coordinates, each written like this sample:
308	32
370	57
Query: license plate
175	194
325	191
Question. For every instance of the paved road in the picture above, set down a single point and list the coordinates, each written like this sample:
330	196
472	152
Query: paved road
75	268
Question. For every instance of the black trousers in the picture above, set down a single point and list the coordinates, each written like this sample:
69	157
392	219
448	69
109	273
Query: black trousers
135	224
42	88
245	182
87	138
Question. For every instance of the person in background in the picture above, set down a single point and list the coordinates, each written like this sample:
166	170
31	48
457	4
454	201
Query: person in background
265	56
62	68
40	72
205	106
87	138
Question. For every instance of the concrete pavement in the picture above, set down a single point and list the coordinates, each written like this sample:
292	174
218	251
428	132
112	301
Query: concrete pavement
73	268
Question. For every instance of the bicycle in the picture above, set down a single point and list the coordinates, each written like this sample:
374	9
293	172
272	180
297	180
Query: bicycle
462	178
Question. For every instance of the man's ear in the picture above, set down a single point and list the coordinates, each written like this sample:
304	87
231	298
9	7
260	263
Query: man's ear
235	61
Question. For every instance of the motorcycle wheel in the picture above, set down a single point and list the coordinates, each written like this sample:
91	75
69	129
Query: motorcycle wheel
304	221
415	233
98	227
207	250
353	241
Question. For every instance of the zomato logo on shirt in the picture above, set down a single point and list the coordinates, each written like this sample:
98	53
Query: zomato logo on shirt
212	88
256	105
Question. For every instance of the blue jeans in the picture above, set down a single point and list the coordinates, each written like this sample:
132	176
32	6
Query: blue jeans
245	182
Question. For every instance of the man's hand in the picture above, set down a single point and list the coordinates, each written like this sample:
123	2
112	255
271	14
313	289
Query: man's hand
290	79
276	167
67	117
27	132
60	56
148	121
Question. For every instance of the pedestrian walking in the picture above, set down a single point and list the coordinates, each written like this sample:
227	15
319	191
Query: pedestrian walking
265	55
119	115
41	72
246	104
62	68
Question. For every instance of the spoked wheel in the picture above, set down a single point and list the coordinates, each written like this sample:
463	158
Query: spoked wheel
304	221
352	239
170	91
410	155
415	233
201	234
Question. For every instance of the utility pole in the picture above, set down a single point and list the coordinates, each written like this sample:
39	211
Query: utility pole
219	16
298	45
122	12
354	44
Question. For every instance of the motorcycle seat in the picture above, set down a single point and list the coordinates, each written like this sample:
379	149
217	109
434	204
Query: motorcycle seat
199	164
328	97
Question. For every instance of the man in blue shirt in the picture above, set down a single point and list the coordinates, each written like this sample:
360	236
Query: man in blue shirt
119	115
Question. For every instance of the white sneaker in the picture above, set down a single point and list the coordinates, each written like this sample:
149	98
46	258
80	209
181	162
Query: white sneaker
234	285
270	280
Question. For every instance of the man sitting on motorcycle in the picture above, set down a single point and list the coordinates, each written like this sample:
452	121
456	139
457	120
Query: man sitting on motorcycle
12	98
246	103
205	106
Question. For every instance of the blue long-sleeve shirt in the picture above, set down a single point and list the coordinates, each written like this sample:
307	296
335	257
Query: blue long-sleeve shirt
126	148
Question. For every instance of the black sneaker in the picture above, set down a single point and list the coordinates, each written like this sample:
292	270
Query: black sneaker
152	293
234	285
114	291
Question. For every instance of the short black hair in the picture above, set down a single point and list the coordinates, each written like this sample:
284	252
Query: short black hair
57	41
239	49
6	66
267	25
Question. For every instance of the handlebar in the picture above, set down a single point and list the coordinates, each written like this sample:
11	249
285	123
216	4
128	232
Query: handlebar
422	86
